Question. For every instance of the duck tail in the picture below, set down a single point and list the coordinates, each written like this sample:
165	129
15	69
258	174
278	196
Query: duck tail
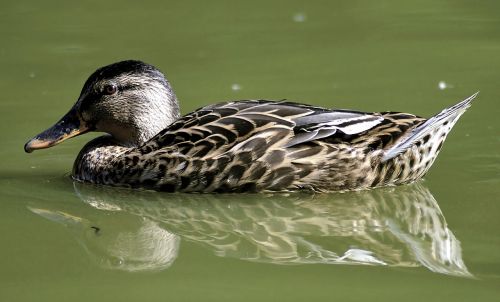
447	117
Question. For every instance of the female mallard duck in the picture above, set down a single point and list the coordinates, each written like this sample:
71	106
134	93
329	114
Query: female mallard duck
252	145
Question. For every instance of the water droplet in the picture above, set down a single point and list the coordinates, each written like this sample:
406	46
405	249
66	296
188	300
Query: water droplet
299	17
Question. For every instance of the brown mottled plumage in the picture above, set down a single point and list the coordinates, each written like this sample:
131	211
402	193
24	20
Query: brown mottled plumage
243	146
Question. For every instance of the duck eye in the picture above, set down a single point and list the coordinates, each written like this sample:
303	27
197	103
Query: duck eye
110	89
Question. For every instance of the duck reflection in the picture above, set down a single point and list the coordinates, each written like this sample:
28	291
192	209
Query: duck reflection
141	230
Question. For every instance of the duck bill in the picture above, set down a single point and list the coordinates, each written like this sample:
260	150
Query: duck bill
69	126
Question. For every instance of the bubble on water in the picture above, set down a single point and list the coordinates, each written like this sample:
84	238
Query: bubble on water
299	17
442	85
235	87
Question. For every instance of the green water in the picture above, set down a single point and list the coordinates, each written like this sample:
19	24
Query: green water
430	241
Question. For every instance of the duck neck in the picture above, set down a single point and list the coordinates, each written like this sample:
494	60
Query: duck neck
153	118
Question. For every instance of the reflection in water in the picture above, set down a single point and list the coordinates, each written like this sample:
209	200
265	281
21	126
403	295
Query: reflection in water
118	242
140	230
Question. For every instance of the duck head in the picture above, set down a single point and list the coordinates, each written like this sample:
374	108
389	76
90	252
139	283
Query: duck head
130	100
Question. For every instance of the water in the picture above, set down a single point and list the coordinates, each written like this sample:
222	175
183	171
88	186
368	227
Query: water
434	240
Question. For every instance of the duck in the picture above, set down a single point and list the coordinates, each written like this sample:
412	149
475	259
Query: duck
238	146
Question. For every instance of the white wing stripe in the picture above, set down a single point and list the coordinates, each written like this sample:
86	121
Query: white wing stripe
360	126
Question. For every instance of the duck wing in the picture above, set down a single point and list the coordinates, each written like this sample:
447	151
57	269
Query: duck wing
222	126
323	125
